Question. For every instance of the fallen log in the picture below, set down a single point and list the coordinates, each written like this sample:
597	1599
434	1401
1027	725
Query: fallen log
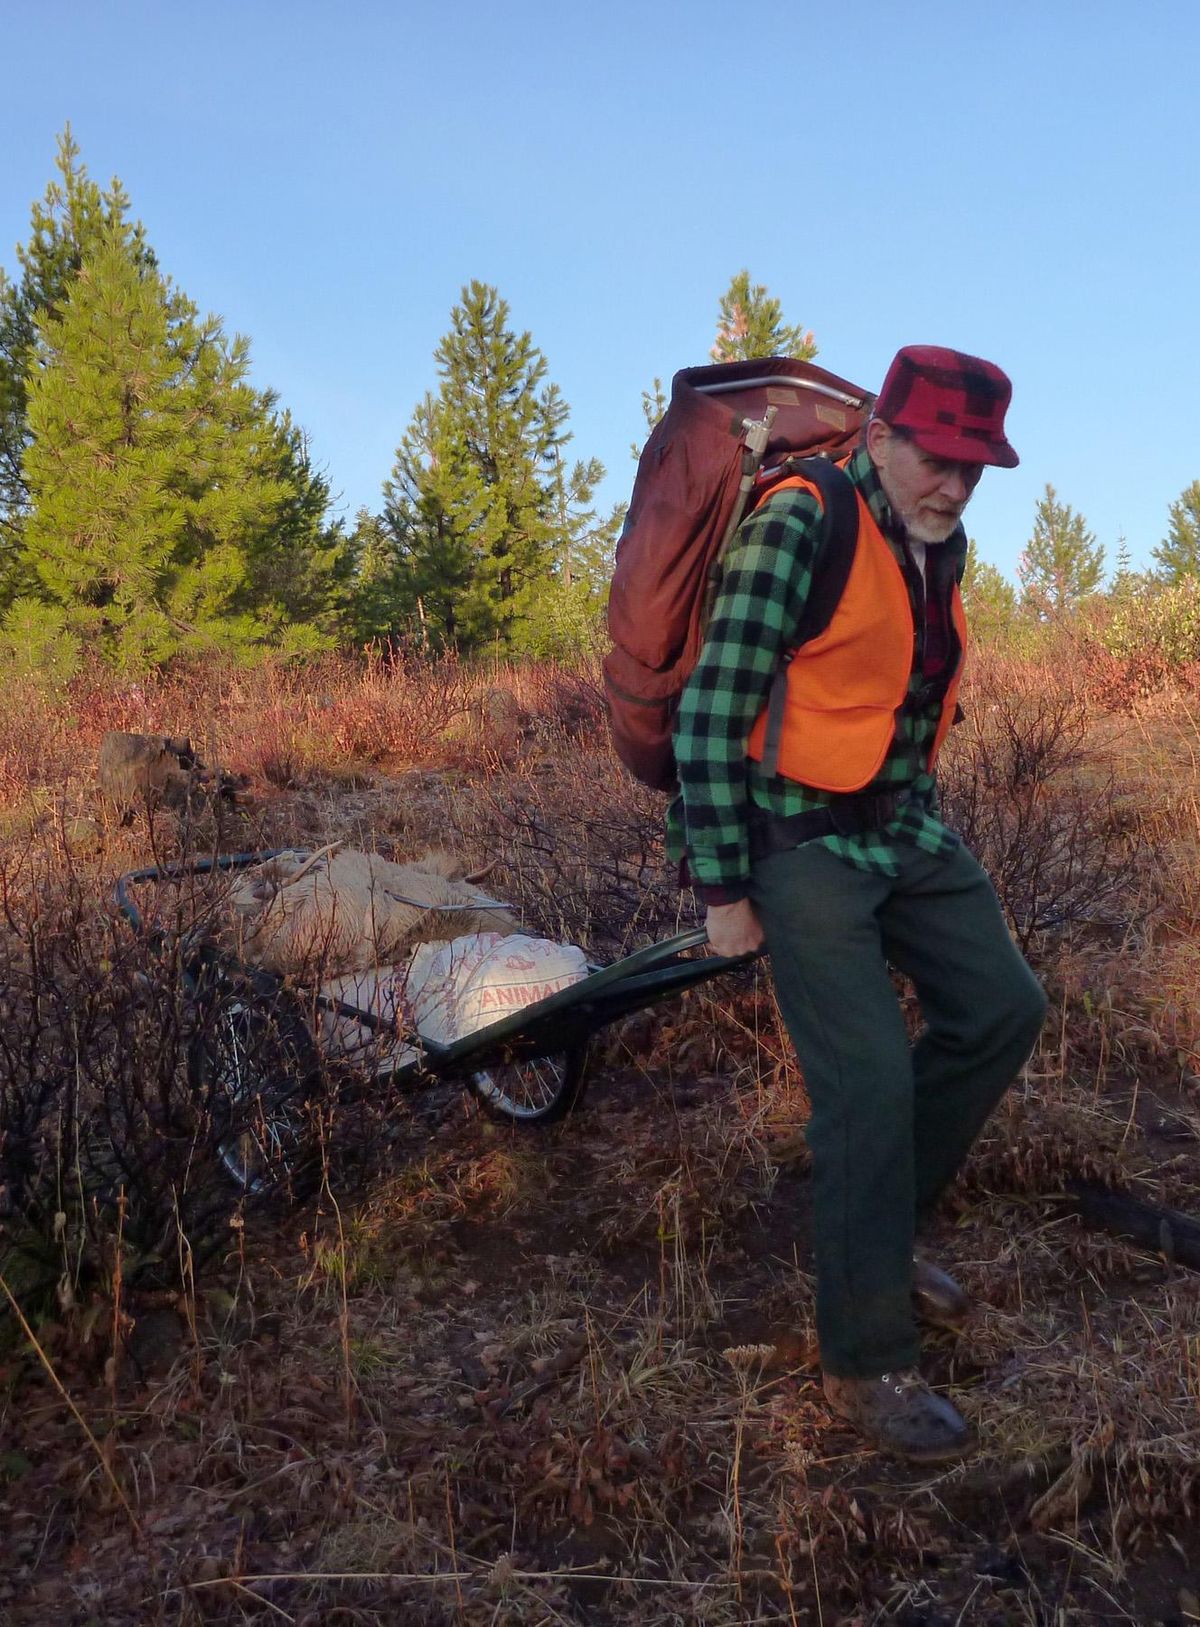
1166	1231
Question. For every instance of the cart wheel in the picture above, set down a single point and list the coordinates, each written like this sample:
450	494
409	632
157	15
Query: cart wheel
537	1091
255	1064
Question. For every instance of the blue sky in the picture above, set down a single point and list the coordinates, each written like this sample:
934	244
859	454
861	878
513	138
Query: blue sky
1018	180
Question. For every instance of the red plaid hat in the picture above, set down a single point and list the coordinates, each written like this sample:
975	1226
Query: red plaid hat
950	404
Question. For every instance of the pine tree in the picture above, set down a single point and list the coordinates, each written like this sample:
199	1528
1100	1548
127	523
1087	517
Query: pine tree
432	523
171	511
751	324
1121	582
65	226
1063	564
300	566
560	614
1178	555
654	404
585	542
478	504
1126	584
376	606
989	598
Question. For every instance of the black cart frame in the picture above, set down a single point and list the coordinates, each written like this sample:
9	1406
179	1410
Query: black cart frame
528	1067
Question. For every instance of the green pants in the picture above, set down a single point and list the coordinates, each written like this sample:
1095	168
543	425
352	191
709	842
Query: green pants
890	1123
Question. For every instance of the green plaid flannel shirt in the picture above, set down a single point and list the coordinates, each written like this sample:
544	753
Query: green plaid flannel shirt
765	585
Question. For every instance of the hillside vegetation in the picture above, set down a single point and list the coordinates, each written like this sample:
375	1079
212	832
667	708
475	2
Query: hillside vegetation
486	1375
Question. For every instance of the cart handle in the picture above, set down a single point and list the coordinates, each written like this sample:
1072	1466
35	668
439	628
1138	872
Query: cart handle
654	957
187	867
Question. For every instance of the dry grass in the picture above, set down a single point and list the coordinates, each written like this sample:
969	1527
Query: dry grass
565	1376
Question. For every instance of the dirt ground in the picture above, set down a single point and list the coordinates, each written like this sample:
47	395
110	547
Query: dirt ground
567	1375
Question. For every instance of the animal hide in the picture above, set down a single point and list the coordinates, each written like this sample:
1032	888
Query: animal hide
341	910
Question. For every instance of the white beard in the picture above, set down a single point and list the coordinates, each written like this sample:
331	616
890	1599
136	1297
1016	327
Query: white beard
930	533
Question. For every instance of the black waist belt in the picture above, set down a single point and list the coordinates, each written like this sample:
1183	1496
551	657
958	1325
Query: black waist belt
844	816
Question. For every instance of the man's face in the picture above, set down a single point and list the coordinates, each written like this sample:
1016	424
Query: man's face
927	494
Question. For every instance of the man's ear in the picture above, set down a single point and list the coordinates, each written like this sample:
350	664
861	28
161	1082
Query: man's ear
878	438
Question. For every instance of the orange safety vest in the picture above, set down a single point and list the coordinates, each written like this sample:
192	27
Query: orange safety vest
845	686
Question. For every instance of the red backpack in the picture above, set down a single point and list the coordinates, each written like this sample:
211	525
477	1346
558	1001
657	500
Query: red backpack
731	432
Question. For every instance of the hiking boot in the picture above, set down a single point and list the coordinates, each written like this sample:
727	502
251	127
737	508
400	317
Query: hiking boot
899	1414
937	1298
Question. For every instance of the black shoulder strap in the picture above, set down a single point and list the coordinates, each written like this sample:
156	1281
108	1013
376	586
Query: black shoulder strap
839	543
831	570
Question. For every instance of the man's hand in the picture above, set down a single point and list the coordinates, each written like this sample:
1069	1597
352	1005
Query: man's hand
734	929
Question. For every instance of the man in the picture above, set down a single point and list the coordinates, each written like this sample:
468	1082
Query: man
811	825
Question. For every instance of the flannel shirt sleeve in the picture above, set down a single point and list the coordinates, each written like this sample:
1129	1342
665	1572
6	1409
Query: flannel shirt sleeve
764	588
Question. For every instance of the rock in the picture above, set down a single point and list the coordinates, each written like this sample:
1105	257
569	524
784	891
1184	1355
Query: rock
143	771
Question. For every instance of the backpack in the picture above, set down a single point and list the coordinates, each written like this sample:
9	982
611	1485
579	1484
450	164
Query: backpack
731	433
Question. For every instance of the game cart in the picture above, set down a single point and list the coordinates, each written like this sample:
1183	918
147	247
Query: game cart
257	1049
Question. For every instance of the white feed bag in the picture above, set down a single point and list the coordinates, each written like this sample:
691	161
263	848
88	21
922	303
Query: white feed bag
456	988
381	992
